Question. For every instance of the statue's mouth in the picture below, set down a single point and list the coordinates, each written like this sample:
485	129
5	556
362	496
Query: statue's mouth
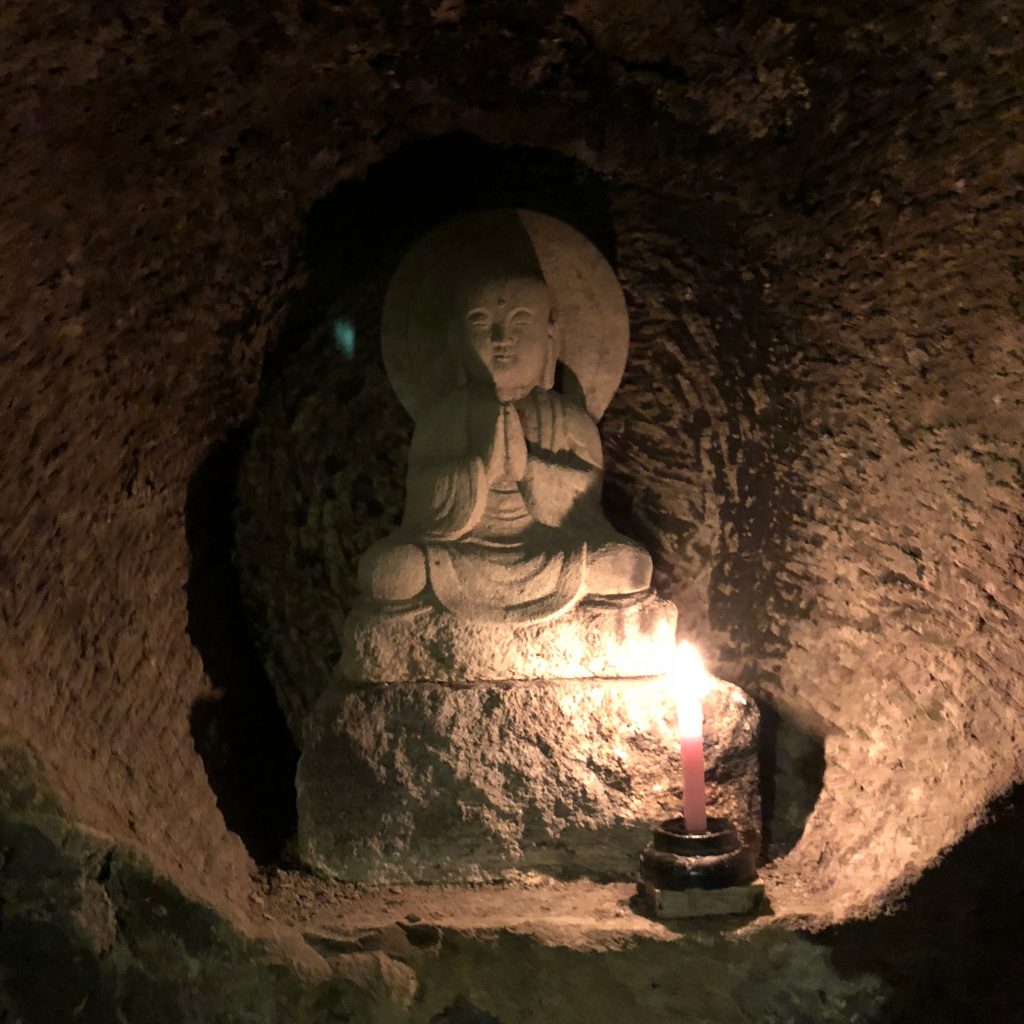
503	353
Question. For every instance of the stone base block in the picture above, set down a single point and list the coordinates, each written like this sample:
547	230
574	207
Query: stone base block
606	638
674	904
428	782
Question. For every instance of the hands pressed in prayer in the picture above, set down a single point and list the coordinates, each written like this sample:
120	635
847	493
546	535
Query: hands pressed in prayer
506	460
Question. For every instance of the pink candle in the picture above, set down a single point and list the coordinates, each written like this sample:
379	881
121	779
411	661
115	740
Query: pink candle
691	740
692	685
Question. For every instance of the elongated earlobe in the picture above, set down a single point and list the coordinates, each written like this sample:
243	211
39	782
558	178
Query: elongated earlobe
554	351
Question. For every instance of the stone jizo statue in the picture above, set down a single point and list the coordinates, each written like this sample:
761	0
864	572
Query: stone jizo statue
504	684
503	521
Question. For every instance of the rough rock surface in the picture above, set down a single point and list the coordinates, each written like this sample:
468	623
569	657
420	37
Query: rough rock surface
423	782
126	945
815	210
598	638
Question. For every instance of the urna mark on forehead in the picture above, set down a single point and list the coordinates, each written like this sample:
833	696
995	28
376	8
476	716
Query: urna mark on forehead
503	295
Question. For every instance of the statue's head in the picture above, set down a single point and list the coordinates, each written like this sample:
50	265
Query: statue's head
504	329
502	325
510	300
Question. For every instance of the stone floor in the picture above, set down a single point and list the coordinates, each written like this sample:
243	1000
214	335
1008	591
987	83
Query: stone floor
536	950
92	933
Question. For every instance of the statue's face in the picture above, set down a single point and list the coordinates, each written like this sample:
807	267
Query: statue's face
508	334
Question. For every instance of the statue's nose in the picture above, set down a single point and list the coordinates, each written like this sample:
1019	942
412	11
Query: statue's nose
496	332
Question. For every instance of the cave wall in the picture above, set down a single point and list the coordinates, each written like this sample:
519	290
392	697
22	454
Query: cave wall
816	216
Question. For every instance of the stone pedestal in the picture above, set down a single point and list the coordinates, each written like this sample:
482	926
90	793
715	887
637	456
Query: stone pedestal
604	638
424	781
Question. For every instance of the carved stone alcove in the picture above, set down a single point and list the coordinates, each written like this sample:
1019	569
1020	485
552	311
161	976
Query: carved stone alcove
502	701
814	214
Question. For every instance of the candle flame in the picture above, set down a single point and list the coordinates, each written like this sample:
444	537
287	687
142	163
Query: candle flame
692	678
692	685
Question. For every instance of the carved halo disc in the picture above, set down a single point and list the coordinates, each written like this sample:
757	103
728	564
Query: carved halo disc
591	309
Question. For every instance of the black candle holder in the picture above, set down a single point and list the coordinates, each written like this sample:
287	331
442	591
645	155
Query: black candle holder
697	874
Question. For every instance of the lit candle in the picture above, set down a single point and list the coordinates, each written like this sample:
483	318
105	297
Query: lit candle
692	682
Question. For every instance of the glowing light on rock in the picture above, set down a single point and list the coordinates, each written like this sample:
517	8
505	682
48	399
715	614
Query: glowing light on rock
345	337
692	685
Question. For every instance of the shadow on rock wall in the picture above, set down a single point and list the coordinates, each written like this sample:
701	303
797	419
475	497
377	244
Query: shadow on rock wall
324	477
954	949
240	733
293	498
792	773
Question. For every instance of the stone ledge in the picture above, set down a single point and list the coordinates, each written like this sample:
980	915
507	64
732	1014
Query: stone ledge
604	639
583	915
534	949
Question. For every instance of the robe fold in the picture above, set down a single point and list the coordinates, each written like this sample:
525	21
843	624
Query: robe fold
508	552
